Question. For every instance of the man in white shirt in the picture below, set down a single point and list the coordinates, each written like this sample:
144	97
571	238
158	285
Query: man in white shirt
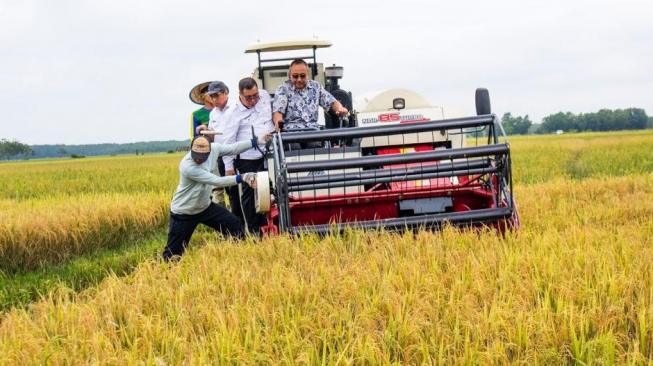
253	110
218	94
191	203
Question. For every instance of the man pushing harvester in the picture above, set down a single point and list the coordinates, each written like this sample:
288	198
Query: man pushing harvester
191	204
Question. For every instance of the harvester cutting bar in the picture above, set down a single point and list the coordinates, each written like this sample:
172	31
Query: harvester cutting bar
477	167
393	171
427	221
403	128
397	178
391	159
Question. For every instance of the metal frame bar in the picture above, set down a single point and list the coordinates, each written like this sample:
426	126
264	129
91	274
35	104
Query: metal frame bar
403	128
397	178
418	157
390	172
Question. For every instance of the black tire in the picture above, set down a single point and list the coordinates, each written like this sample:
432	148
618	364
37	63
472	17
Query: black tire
483	102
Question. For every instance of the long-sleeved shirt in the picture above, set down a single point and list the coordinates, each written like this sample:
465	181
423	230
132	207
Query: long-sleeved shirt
300	106
218	119
239	127
193	194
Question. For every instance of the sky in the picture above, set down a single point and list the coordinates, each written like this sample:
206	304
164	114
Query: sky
98	71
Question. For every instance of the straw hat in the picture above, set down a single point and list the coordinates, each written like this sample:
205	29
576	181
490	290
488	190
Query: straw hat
200	148
197	91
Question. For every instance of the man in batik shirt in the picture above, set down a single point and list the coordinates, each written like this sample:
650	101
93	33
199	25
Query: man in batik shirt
297	100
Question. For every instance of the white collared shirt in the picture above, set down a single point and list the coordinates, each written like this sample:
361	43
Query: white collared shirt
239	126
218	119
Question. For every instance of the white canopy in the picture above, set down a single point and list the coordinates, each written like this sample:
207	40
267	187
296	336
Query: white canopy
287	45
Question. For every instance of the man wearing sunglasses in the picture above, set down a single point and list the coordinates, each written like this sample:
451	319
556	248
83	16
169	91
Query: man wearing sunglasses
297	100
251	112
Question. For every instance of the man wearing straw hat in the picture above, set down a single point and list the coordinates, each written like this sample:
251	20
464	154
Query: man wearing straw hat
191	203
200	116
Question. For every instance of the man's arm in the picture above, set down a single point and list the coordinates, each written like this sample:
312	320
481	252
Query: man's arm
338	109
197	174
277	117
279	106
263	125
232	149
327	100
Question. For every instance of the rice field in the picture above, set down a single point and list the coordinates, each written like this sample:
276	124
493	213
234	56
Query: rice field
51	211
573	286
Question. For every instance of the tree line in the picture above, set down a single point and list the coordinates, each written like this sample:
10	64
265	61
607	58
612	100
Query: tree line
17	150
13	148
603	120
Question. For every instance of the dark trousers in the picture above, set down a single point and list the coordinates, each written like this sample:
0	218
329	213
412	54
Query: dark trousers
232	191
248	209
183	226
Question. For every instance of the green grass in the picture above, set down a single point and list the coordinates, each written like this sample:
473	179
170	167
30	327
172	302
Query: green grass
21	289
18	290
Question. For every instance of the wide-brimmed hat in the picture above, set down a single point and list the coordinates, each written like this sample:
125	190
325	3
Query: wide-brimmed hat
197	91
200	148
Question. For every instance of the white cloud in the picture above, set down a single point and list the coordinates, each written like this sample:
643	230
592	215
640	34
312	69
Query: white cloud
118	71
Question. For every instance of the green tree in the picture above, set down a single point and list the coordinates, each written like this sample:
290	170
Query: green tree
559	121
13	148
515	125
603	120
637	119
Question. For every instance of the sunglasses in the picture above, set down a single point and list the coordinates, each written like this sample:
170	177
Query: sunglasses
250	98
298	76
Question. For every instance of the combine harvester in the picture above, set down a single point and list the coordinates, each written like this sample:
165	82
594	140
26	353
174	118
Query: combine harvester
397	163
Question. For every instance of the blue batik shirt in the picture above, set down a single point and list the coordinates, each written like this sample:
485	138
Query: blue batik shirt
300	107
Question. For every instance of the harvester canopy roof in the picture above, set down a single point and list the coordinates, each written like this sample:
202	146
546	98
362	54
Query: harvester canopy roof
287	45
